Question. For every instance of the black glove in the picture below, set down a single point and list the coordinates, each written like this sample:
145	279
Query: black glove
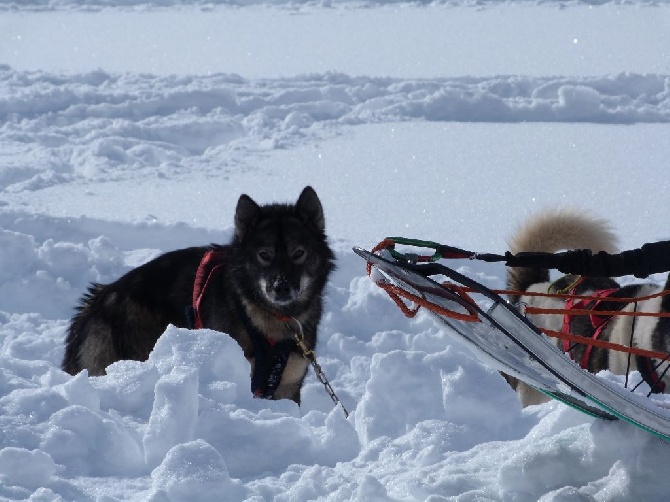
649	259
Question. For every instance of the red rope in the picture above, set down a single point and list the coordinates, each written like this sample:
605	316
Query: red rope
603	313
565	296
397	294
604	344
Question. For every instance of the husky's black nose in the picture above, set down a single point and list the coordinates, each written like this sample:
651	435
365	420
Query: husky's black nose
283	290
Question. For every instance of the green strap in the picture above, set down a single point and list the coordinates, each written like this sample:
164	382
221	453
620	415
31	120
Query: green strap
412	257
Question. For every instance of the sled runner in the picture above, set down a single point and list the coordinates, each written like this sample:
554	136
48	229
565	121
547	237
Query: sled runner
501	337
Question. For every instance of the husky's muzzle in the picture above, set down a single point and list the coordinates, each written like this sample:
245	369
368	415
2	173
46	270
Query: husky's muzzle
280	290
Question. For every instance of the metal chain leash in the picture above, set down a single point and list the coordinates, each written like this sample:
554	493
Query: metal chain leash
310	355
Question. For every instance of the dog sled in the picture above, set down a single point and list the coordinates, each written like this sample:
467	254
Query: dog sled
503	338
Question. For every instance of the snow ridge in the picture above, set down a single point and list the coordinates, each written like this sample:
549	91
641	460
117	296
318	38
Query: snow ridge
83	125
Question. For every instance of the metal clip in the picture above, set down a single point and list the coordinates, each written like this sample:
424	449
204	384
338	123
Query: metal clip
310	355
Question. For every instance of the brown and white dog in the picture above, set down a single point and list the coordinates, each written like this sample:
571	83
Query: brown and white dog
556	230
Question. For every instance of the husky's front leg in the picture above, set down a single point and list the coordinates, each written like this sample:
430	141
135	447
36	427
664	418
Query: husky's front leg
291	381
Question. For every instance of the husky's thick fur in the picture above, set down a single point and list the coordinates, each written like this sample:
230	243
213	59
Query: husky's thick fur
557	230
277	263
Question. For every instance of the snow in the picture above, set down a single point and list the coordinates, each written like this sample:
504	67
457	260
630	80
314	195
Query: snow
398	39
130	128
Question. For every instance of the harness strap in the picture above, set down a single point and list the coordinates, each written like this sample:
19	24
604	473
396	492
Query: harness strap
265	387
598	322
210	264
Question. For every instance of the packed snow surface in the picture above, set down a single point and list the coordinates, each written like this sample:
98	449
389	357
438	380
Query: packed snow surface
130	128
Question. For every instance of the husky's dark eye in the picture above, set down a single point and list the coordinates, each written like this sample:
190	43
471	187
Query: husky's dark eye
299	255
265	256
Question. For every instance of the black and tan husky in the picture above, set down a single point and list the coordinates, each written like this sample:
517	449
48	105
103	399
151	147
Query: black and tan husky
556	230
276	267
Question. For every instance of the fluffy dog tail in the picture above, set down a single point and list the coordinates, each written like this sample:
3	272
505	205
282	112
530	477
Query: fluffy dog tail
552	231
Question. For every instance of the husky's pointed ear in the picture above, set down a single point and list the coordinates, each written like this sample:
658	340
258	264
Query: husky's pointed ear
246	215
310	209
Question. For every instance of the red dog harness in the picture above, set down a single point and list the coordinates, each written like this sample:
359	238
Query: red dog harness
645	365
598	322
